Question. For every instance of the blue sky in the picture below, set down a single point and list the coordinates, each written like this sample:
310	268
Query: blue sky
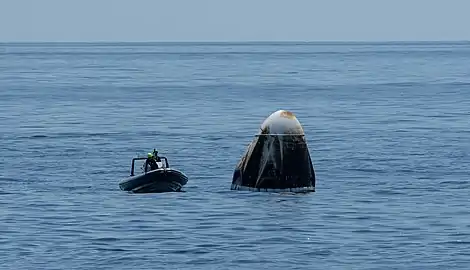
235	20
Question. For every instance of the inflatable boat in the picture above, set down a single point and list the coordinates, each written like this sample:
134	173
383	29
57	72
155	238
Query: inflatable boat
161	179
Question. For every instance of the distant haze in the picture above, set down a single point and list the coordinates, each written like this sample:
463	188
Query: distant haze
235	20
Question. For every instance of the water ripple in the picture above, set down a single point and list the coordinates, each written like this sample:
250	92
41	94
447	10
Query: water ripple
386	126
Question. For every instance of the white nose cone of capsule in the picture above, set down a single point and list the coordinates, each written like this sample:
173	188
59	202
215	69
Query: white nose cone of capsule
282	122
277	159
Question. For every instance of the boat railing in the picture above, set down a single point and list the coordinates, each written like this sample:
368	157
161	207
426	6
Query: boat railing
166	165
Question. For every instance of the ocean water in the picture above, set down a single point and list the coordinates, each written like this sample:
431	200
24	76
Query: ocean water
387	124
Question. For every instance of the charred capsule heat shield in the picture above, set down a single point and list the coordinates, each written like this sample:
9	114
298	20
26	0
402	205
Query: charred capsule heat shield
277	159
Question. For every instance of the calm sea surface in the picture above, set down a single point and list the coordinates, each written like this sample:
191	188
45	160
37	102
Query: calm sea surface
388	126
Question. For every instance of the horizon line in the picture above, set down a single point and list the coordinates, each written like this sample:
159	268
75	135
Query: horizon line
231	41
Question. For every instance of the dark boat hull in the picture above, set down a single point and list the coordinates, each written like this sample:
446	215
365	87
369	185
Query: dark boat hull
156	181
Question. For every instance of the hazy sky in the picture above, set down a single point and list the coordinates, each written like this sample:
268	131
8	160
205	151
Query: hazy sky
221	20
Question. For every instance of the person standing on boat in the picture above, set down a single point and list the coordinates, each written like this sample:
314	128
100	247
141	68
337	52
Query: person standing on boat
150	162
155	154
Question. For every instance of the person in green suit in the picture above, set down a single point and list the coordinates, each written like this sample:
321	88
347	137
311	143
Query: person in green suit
151	162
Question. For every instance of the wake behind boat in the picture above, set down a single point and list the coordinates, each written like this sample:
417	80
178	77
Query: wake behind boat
157	177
